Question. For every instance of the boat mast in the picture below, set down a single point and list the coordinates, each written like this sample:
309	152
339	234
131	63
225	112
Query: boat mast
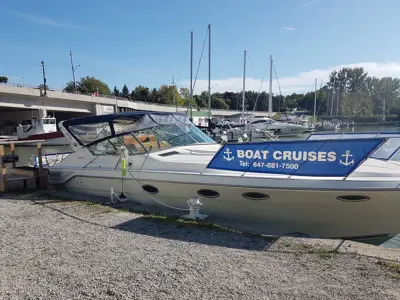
244	85
209	72
315	100
191	77
333	95
270	88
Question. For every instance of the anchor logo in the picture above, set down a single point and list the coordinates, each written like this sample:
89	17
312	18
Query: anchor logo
347	156
387	148
228	156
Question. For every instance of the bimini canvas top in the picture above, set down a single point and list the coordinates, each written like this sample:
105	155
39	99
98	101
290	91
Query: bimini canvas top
128	116
89	130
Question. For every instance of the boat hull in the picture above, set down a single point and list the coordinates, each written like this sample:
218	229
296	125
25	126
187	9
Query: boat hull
284	211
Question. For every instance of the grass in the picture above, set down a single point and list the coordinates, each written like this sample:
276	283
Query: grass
322	252
393	267
156	217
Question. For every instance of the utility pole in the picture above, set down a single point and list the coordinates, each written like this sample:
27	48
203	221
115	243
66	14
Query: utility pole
44	79
191	77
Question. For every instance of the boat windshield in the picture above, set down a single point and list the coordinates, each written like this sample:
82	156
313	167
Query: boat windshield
389	150
139	135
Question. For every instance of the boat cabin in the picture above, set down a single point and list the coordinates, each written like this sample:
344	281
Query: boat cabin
37	126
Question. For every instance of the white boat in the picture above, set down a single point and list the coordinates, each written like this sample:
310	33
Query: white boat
326	125
42	128
330	185
278	128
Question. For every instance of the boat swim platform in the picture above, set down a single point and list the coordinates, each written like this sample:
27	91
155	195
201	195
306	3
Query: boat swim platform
12	178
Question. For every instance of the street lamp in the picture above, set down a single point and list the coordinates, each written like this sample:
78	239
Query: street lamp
73	70
44	79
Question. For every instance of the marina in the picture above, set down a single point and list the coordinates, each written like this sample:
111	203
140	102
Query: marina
171	151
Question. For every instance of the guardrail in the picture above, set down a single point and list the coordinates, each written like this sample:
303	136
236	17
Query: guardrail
111	97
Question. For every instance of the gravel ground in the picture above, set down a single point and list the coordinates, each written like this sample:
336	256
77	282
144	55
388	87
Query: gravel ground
73	250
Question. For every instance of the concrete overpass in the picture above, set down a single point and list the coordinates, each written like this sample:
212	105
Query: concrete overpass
31	98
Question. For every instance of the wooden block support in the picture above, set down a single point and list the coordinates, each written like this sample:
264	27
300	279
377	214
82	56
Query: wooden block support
3	187
12	149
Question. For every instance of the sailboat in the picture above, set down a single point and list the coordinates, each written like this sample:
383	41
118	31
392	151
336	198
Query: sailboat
329	185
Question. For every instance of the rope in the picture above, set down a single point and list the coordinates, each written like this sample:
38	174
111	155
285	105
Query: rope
166	205
201	56
262	81
279	87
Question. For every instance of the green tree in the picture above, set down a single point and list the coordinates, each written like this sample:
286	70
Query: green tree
142	93
125	92
4	79
88	85
169	94
116	92
154	96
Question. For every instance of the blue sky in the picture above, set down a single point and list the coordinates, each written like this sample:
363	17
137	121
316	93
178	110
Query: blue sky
148	42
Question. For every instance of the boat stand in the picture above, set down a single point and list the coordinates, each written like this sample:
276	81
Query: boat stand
194	210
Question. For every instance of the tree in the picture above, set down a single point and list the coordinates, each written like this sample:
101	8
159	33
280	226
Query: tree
142	93
154	96
116	92
169	94
125	92
4	79
88	85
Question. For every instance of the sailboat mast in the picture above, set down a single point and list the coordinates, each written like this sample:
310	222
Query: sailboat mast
244	85
333	95
191	77
270	88
209	72
315	101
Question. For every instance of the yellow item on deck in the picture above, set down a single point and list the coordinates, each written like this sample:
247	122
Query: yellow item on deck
123	166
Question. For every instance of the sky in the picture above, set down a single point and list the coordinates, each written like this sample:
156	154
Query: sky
147	43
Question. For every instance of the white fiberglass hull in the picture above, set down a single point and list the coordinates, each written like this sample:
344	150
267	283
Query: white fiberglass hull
285	211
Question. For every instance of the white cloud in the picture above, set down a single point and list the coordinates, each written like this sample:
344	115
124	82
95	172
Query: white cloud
45	21
300	83
307	3
288	28
331	9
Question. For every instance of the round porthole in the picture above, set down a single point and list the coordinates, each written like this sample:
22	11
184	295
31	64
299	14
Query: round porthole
150	189
353	198
206	193
255	196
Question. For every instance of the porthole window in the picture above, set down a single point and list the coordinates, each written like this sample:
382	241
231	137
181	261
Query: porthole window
150	189
255	196
353	198
207	193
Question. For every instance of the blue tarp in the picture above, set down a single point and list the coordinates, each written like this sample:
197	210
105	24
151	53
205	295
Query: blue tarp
303	158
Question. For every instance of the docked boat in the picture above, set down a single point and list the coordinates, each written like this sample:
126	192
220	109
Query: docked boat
329	185
43	128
